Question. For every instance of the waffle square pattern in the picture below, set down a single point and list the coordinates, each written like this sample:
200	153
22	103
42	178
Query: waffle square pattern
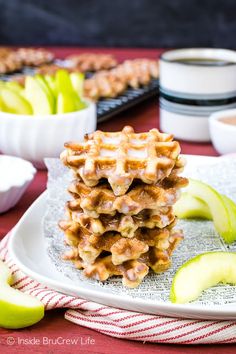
120	220
122	157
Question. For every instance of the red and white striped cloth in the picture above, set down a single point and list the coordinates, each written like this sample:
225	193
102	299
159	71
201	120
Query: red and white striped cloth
121	323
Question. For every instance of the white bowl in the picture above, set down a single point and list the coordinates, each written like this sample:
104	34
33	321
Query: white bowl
185	126
190	91
223	135
35	137
15	176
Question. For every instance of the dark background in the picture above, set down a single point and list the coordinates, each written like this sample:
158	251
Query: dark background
119	23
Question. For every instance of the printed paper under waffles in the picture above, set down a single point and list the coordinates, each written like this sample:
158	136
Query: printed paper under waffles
120	219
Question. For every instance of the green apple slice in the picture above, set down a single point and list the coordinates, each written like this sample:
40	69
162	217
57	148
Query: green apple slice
17	309
50	80
65	103
1	104
202	272
15	86
13	102
77	80
63	82
38	97
46	89
222	218
188	207
79	104
231	207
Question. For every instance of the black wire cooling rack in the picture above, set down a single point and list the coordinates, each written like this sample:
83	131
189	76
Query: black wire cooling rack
109	107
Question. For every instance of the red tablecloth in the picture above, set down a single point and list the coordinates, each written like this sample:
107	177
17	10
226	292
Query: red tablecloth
54	327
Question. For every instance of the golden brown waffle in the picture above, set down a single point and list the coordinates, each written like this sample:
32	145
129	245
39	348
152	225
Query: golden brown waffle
49	69
9	62
111	83
104	84
91	61
127	257
122	157
4	51
137	72
52	68
126	225
33	57
101	199
90	246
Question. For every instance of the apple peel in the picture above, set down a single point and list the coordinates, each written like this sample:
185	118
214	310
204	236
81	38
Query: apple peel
17	309
202	272
201	200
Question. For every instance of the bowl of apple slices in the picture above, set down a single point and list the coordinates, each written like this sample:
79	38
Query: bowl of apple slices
38	117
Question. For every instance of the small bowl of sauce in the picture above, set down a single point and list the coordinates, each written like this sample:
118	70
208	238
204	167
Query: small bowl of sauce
222	127
228	120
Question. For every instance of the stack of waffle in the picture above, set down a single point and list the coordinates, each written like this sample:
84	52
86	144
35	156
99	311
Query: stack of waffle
120	218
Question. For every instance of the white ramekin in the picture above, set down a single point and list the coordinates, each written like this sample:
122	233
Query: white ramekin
15	176
190	93
223	135
35	137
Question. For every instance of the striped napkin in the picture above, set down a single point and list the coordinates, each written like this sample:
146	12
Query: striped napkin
122	323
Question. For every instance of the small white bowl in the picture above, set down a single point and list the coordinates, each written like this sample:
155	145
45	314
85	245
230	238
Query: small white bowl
35	137
15	176
223	135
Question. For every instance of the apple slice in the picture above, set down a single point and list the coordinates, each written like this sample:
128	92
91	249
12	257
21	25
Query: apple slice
65	103
188	207
15	86
77	80
231	207
202	272
223	218
17	309
63	82
79	103
50	80
13	102
40	100
46	89
67	100
1	103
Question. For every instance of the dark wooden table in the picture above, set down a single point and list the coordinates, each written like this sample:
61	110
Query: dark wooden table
54	326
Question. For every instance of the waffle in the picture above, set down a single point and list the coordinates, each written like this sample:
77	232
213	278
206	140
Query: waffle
104	84
77	237
137	72
103	257
33	57
9	62
111	83
122	157
101	200
49	69
126	225
4	51
91	61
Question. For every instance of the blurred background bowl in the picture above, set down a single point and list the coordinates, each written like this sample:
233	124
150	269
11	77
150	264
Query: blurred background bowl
222	132
16	174
35	137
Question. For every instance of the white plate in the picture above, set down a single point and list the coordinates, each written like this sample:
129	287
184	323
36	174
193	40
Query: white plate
28	249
